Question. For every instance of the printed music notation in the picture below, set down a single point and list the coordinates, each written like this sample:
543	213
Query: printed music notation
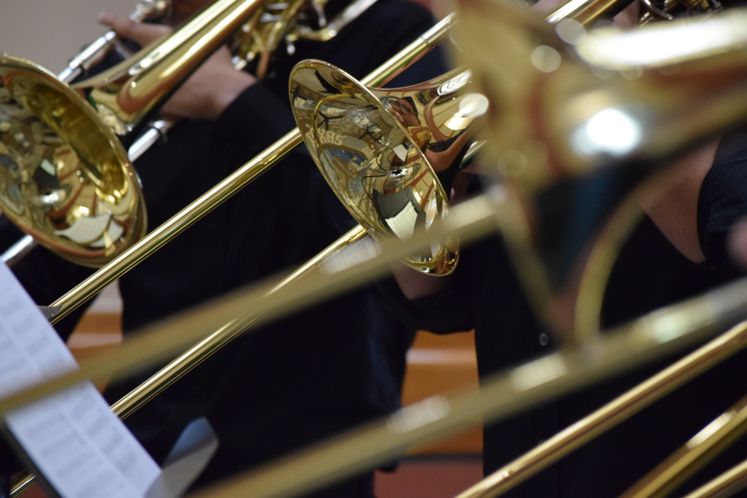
73	438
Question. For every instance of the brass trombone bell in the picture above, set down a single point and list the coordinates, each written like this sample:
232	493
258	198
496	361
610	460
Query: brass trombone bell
377	148
67	172
64	177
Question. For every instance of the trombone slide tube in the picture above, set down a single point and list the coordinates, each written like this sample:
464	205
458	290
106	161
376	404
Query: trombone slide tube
231	184
205	348
87	57
504	395
697	452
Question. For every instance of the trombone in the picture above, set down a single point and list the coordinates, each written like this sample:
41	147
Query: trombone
67	180
477	215
441	262
264	27
90	56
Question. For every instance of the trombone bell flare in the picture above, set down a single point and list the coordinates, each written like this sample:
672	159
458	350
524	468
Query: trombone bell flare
64	177
376	149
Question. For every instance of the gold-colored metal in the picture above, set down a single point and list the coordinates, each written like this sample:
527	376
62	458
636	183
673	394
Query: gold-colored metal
124	94
727	484
65	181
475	216
91	55
64	177
376	147
611	414
588	12
500	396
205	348
585	12
558	118
94	52
157	342
469	220
256	43
230	185
697	452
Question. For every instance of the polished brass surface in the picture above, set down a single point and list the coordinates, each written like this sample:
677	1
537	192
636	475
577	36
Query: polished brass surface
697	452
561	94
727	484
65	177
259	38
376	148
339	272
499	396
469	220
94	52
90	203
231	184
206	347
586	12
126	93
555	98
256	42
330	276
615	412
329	29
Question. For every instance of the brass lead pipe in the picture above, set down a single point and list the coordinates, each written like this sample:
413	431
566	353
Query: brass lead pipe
195	211
129	90
696	453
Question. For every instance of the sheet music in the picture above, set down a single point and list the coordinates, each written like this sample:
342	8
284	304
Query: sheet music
81	447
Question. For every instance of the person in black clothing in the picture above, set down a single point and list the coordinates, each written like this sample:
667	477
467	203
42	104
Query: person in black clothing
306	376
651	271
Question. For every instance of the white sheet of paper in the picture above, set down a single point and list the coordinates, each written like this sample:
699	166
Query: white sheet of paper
79	445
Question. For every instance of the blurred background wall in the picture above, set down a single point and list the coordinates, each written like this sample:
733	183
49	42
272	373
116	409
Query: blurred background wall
49	32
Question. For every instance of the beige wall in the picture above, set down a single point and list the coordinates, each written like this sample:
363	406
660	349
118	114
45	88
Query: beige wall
49	32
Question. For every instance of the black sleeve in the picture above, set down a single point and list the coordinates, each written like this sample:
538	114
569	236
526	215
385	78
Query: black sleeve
257	117
448	310
722	202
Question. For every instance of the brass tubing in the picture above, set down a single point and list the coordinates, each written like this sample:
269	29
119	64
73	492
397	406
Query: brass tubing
204	349
586	11
157	342
727	484
501	396
598	422
469	220
195	211
130	89
696	453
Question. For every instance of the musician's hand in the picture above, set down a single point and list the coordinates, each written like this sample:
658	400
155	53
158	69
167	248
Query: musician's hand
210	89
